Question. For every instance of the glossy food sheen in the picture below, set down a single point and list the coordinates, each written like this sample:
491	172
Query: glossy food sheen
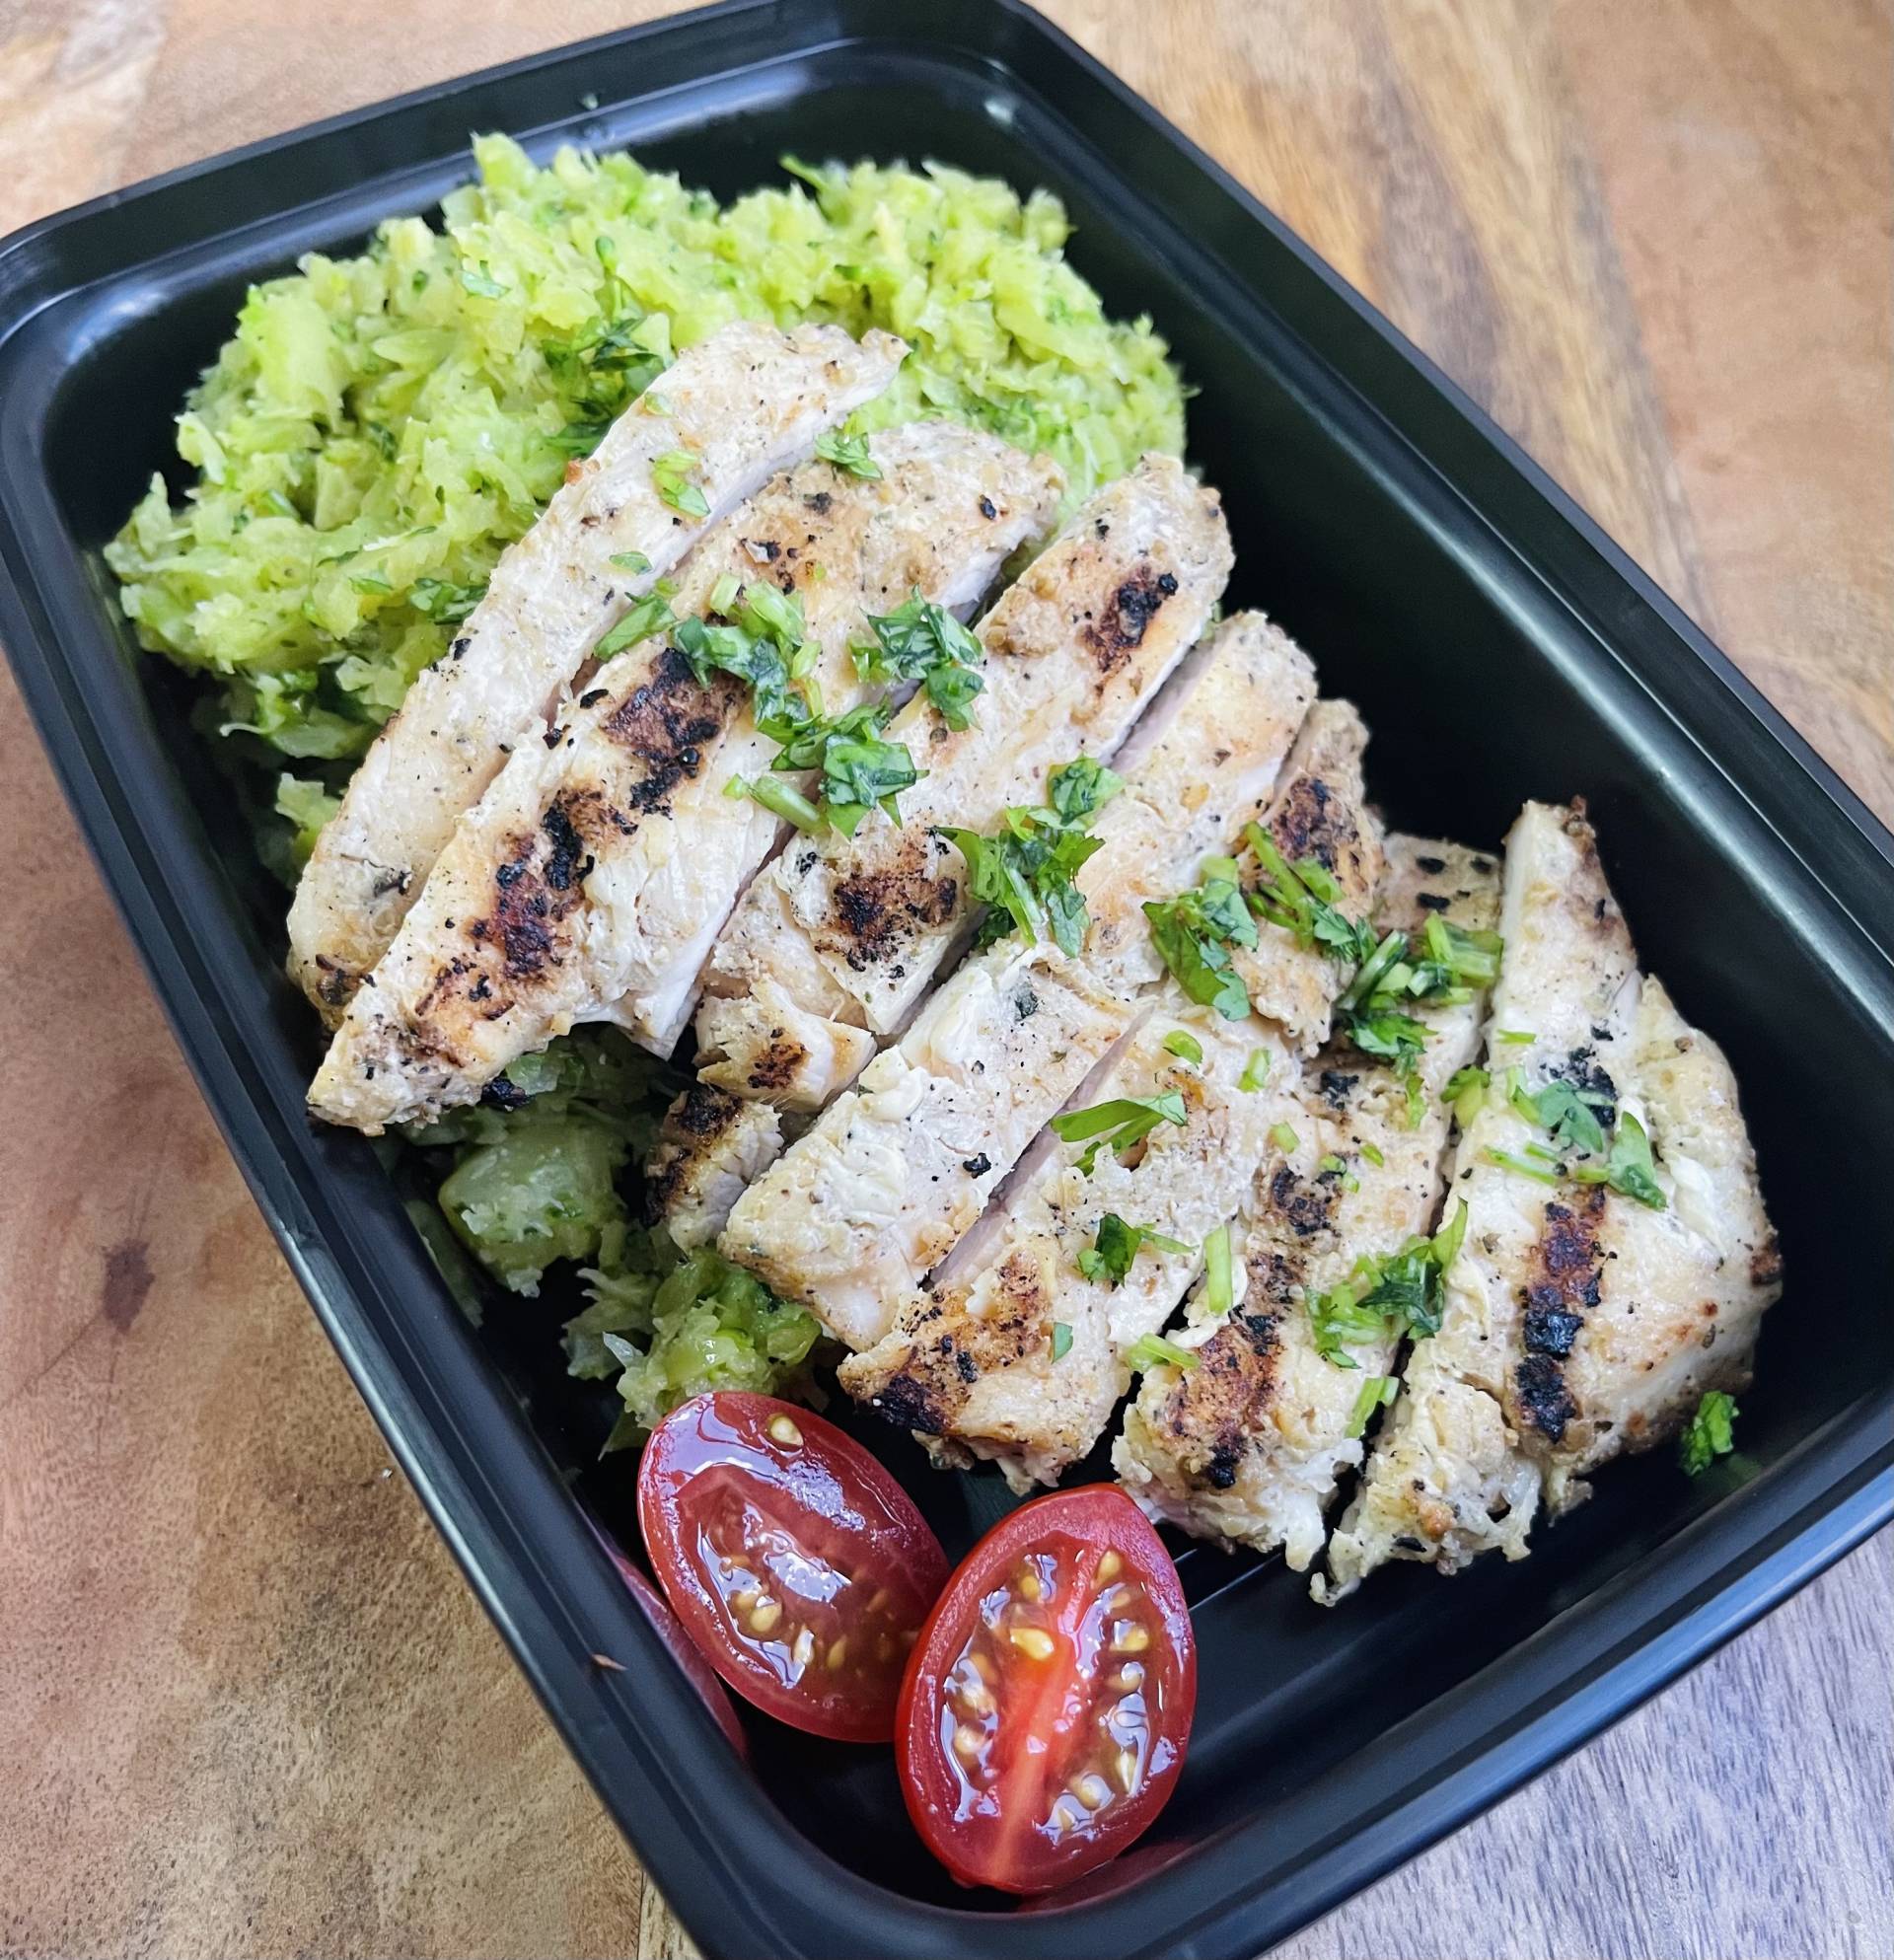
1044	1717
794	1560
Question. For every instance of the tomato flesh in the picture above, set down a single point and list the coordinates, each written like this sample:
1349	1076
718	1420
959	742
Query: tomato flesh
792	1558
1045	1714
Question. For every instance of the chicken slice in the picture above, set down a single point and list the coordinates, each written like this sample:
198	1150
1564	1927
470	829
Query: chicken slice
1247	1446
1578	1322
741	404
839	938
711	1147
860	1210
590	880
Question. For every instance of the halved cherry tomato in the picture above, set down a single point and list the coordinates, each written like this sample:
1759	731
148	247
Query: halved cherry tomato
794	1560
1045	1714
684	1651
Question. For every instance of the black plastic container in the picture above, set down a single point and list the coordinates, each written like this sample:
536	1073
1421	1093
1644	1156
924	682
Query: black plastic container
1499	644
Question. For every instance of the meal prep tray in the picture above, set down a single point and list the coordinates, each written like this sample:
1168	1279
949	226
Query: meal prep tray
1497	643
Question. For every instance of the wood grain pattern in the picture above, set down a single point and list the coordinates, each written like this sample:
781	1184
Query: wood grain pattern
249	1705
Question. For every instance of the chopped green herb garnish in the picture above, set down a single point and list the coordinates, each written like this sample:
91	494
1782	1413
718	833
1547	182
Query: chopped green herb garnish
1389	1298
1061	1341
1372	1152
850	453
1121	1123
924	642
783	799
1219	1273
481	282
1304	899
1192	933
1710	1433
1186	1047
1110	1256
1515	1037
651	615
1377	1392
1027	874
629	561
860	769
723	595
1153	1350
1285	1138
1508	1162
671	478
1332	1164
1466	1091
1256	1071
1630	1169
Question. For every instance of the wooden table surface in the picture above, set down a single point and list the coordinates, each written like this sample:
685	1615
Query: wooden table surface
246	1703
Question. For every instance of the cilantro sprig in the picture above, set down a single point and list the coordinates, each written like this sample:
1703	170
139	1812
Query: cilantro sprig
1153	1350
1026	873
850	453
921	642
1386	1299
1194	931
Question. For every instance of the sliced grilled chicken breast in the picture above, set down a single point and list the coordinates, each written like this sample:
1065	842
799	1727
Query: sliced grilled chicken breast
977	1366
1247	1446
591	879
861	1208
1578	1322
740	405
839	938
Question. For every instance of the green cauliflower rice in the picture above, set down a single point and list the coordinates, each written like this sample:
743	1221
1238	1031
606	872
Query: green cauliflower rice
380	428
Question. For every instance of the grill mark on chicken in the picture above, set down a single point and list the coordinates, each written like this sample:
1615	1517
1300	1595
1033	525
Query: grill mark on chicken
774	1069
1217	1406
1118	633
1313	821
1568	1274
878	906
702	1114
665	723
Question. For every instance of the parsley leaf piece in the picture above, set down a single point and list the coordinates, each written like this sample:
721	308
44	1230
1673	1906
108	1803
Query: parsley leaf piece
629	561
671	477
1153	1350
1256	1071
1185	1046
850	453
1710	1433
924	642
1399	1295
1303	898
1285	1138
1116	1247
1573	1124
1061	1341
1515	1037
651	615
1080	789
1630	1169
1372	1152
1377	1390
1121	1123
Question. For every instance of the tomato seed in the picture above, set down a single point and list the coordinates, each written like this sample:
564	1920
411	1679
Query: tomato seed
804	1650
743	1598
838	1654
1129	1680
1133	1640
765	1616
1027	1584
1126	1770
1109	1567
1033	1642
784	1430
1092	1791
968	1743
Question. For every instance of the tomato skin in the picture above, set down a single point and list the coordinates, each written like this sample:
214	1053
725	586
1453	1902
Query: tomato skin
1072	1701
794	1560
684	1651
